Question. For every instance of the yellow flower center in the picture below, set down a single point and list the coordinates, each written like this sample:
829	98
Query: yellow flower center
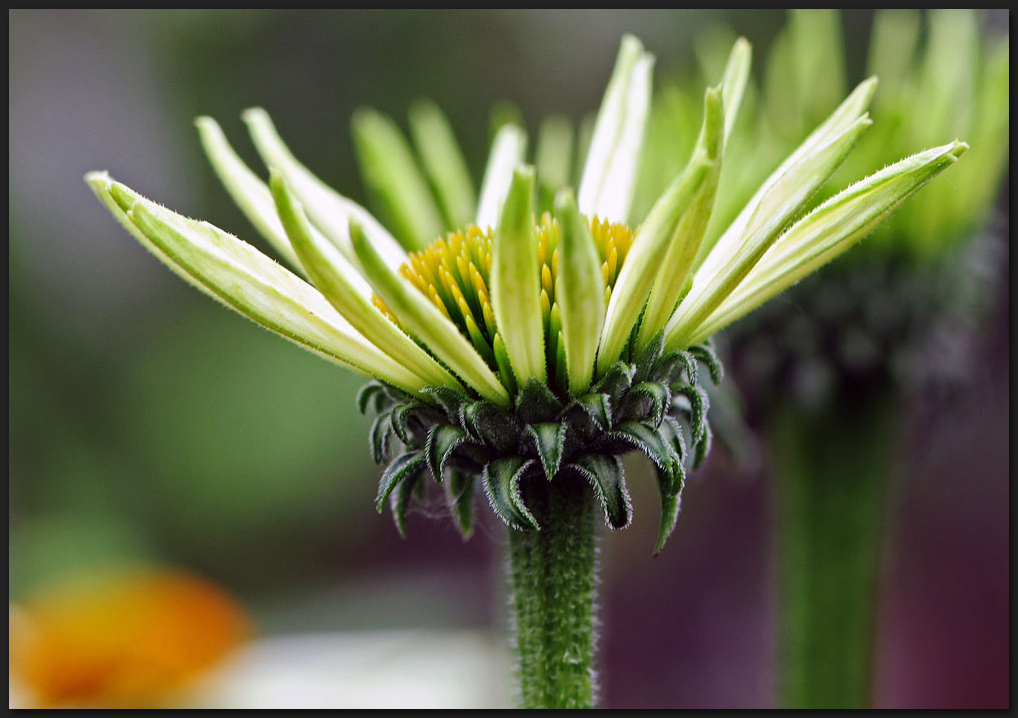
453	272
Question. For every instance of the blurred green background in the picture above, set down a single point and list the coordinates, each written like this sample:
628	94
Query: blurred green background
149	425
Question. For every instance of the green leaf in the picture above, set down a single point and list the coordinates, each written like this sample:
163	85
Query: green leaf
535	402
380	435
400	499
647	402
579	293
442	441
492	426
548	440
516	280
598	408
649	442
669	516
370	394
460	494
606	476
502	486
403	468
617	379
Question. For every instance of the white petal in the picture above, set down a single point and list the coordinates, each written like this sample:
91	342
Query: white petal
507	151
609	173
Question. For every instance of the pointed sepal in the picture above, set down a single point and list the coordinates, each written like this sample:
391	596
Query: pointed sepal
502	486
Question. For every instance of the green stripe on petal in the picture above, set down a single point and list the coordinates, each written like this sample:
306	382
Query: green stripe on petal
335	277
330	212
579	293
426	321
829	230
516	281
507	151
609	172
394	179
684	238
444	163
244	279
244	186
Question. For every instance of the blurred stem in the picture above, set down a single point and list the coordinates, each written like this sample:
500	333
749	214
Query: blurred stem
552	605
833	469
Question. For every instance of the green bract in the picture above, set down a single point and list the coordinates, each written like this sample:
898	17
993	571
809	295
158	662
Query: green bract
521	346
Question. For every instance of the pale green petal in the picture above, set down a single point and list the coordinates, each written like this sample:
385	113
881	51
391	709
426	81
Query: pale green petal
246	189
829	230
553	158
395	181
244	279
685	236
332	273
426	321
444	164
839	121
785	197
516	280
507	151
329	211
674	219
609	174
579	292
733	82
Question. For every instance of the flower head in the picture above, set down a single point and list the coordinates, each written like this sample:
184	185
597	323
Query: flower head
524	345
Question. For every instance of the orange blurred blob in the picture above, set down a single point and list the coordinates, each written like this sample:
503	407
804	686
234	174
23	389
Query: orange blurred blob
130	640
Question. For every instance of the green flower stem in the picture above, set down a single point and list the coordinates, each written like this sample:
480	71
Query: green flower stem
552	605
833	469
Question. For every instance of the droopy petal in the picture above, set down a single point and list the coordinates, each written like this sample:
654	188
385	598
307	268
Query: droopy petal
331	274
609	173
829	230
244	279
516	280
328	210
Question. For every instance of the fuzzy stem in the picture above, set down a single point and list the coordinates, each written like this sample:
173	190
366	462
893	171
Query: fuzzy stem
833	469
553	573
